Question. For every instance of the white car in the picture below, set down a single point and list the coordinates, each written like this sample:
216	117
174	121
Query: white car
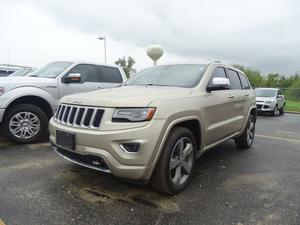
270	100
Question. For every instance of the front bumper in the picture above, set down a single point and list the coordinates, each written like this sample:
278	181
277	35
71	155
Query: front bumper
265	107
1	114
106	146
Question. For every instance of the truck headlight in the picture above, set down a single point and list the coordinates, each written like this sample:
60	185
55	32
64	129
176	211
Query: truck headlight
2	90
133	114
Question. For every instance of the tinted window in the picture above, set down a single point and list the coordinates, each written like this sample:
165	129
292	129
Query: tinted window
110	75
234	80
171	75
88	72
280	92
244	81
218	72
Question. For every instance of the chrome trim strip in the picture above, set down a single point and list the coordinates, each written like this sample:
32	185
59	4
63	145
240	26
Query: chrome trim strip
79	163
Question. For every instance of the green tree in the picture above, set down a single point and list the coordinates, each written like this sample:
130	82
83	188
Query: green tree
293	92
254	76
127	65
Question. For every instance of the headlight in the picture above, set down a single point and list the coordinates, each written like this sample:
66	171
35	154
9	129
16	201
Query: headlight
133	114
2	91
269	101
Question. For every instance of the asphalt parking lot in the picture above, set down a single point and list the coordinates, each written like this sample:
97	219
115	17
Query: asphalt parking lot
256	186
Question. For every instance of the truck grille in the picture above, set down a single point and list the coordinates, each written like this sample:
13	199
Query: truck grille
79	116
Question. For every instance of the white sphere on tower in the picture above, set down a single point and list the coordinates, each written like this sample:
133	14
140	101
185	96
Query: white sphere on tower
155	52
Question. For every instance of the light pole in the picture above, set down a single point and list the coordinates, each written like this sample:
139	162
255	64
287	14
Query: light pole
104	41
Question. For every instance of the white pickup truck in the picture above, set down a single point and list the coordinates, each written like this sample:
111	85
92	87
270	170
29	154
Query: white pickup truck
27	103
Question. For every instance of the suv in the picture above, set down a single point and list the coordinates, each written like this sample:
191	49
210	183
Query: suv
27	103
156	125
270	100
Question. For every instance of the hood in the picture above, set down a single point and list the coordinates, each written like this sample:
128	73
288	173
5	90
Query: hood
263	99
13	82
126	96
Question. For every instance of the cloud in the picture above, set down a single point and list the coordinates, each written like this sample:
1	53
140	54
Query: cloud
262	34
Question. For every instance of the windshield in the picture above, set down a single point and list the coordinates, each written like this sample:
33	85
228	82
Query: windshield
265	93
171	75
19	73
51	70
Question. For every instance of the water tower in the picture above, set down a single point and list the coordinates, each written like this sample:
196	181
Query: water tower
155	52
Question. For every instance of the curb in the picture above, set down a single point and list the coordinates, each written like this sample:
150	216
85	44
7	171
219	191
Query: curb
292	112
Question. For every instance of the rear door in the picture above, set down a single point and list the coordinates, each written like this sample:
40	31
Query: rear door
219	111
89	80
239	100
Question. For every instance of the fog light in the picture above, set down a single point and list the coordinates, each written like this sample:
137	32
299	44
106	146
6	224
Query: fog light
130	147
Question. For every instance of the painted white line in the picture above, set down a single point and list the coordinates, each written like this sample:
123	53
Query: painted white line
277	138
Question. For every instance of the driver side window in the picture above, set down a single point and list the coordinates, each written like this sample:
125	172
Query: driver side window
88	72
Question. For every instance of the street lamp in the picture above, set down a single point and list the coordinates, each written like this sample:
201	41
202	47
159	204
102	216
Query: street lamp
103	39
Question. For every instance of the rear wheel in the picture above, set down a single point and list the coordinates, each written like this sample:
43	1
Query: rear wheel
246	139
25	123
175	165
282	110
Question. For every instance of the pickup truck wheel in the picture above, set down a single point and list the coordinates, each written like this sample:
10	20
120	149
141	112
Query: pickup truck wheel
246	139
174	167
25	123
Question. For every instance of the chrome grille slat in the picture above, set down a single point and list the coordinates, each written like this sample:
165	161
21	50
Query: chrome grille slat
79	116
70	112
83	117
92	118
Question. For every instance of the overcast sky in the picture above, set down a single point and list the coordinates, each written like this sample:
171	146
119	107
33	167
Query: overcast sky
262	34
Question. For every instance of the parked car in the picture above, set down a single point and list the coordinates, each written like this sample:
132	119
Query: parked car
21	72
8	69
156	124
270	100
27	103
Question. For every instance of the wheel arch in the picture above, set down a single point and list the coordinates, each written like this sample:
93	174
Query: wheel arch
33	100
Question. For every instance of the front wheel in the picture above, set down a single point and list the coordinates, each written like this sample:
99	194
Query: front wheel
246	139
25	123
274	112
175	165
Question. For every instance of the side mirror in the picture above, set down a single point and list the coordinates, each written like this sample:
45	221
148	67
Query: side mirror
218	83
279	96
72	78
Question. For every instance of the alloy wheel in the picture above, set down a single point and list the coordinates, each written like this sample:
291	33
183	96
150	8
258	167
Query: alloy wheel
181	161
24	125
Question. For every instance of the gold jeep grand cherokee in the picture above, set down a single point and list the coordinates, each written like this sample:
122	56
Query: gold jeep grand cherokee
155	126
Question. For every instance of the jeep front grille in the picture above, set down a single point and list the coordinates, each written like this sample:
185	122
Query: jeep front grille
79	116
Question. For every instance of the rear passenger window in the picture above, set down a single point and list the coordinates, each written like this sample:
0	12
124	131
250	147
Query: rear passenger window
110	75
244	81
234	79
218	72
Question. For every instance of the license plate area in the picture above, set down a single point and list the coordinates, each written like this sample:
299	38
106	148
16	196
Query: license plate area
65	139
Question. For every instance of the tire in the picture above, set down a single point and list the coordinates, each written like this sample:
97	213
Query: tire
173	181
281	111
29	122
246	139
274	112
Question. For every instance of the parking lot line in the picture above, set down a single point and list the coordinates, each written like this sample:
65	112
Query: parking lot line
277	138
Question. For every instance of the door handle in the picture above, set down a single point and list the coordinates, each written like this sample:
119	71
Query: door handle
99	87
231	96
246	95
